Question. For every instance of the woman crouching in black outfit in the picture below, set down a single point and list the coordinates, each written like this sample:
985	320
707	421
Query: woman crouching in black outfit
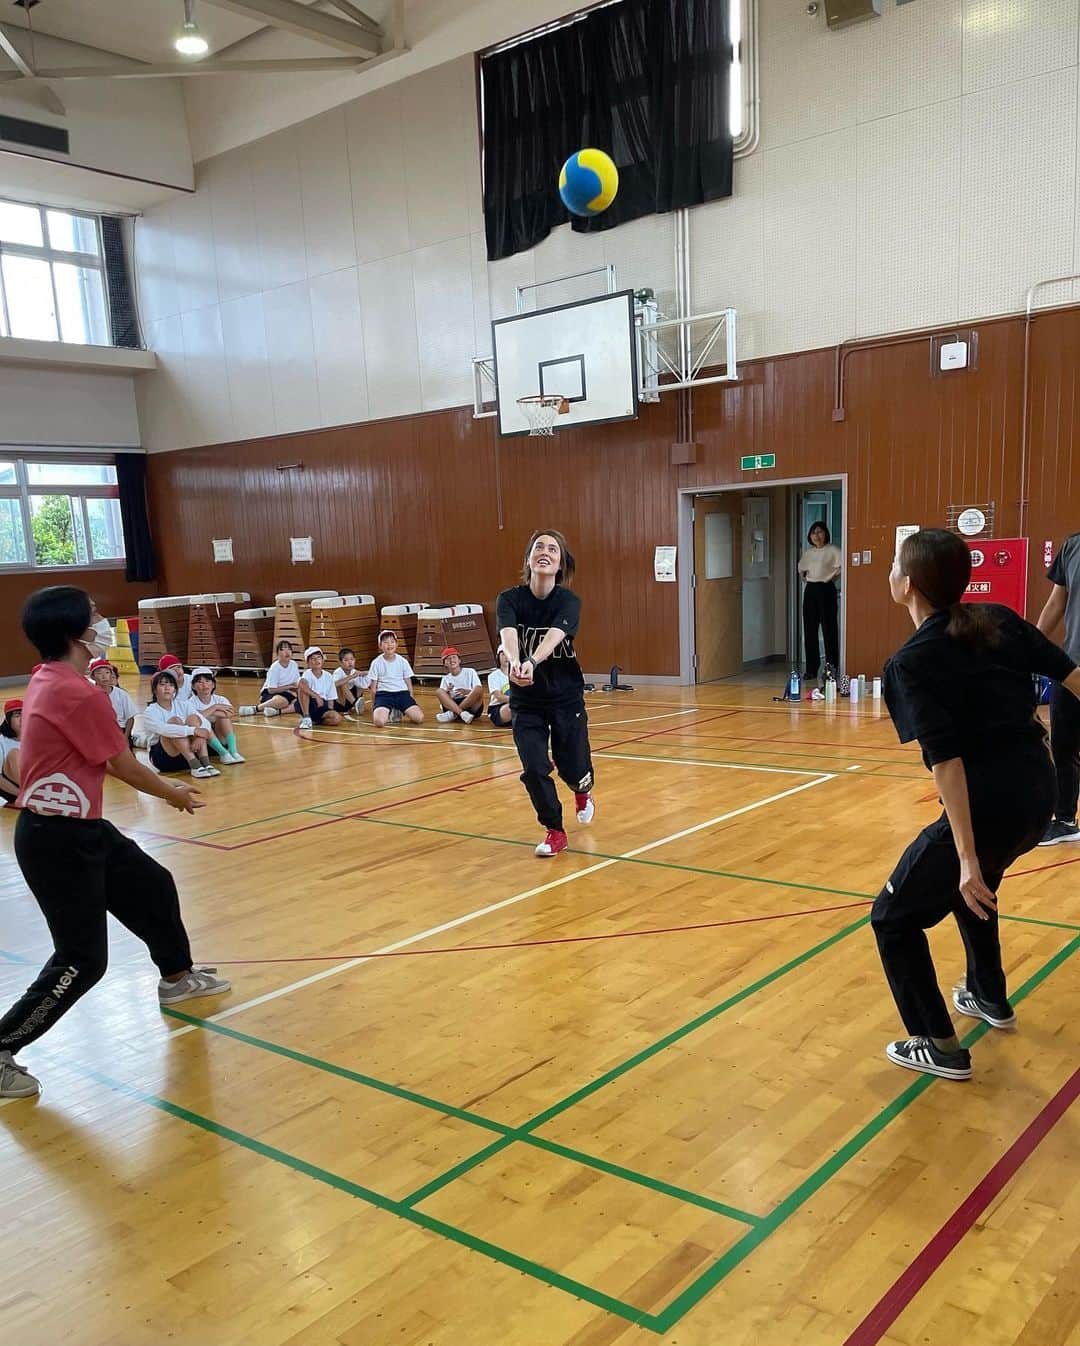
962	686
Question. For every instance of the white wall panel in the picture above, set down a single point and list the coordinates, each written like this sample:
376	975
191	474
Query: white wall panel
68	406
1017	192
1012	39
193	248
155	266
809	83
327	193
809	219
204	379
279	216
339	348
243	330
377	171
161	397
481	295
908	245
911	57
290	350
388	310
236	237
727	245
433	135
442	282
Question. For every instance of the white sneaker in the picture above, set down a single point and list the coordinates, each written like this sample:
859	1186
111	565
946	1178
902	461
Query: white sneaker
305	723
270	710
203	772
248	710
586	810
138	741
467	717
3	803
199	981
15	1080
445	716
226	758
237	758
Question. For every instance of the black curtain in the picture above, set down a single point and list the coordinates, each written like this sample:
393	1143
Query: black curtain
138	545
645	80
122	313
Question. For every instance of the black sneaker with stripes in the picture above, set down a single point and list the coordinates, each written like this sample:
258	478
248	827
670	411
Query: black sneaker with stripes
921	1054
997	1016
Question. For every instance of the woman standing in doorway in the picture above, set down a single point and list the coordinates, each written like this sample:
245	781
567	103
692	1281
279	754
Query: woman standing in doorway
820	566
537	621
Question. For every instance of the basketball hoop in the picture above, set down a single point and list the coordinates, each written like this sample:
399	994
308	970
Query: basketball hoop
540	411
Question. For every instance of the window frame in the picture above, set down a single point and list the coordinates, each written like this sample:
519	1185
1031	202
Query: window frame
54	256
23	489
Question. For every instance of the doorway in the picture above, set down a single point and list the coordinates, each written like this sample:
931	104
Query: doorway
740	601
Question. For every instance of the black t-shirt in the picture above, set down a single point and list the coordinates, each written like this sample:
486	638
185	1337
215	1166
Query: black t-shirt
976	704
559	677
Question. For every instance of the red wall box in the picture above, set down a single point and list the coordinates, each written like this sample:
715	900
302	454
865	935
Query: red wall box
999	572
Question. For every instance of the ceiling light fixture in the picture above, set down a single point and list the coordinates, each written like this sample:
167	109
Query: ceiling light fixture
189	41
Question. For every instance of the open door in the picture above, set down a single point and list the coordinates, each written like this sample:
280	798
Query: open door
718	587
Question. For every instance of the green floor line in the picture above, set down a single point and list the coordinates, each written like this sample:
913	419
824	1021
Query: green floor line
542	1118
465	1115
842	773
556	1280
665	864
694	1293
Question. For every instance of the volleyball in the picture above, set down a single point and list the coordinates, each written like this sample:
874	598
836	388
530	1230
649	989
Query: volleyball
588	182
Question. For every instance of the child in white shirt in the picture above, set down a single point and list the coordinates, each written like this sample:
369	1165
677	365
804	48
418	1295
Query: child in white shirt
205	709
349	684
499	692
107	677
459	693
278	693
316	692
174	745
170	663
391	677
10	733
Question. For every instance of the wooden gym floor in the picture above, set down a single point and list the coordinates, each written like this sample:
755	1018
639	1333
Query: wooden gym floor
464	1097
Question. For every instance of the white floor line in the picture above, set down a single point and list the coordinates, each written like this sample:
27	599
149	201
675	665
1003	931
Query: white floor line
856	767
719	766
638	719
499	906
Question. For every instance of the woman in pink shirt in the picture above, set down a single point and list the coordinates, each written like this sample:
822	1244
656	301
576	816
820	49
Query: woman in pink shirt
77	865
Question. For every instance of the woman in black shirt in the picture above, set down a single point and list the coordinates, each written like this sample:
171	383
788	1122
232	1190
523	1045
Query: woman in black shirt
962	686
537	622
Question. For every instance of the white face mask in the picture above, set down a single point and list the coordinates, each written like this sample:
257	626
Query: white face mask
102	642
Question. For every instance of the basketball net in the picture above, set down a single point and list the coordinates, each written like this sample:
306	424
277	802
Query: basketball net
540	411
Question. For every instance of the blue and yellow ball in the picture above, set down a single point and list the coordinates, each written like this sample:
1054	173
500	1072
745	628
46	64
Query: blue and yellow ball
588	182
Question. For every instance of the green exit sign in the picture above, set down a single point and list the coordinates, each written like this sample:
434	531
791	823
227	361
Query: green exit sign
754	461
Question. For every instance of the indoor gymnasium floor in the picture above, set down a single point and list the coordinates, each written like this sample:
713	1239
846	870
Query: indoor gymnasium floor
465	1097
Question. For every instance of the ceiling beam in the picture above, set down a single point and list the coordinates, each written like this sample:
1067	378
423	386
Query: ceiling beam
25	73
170	69
305	22
13	54
362	20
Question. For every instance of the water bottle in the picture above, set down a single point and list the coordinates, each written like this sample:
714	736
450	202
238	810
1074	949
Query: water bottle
830	688
794	687
854	693
862	684
877	689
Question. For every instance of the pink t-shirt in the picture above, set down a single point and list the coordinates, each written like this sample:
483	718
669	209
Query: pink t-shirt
69	733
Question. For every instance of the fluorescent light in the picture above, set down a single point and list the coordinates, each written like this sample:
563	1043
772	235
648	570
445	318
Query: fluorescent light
190	42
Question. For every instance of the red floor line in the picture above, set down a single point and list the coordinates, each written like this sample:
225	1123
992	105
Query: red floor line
1039	869
561	939
904	1289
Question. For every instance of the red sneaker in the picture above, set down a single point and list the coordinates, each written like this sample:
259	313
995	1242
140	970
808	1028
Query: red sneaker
552	844
585	808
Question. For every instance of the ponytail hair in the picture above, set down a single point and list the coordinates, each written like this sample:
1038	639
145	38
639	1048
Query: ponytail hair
938	564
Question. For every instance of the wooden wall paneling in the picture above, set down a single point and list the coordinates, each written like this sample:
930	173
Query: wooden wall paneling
406	508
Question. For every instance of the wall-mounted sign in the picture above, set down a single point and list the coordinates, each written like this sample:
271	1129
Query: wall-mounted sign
971	521
223	549
999	572
903	531
664	564
301	549
754	462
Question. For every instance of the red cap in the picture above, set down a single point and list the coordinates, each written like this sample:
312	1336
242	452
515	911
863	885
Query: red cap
450	649
11	706
168	661
95	664
35	669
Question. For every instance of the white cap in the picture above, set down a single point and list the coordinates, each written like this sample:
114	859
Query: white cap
312	649
202	672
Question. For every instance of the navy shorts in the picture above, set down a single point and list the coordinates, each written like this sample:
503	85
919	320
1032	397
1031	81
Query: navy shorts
318	712
343	707
493	716
165	763
394	701
267	693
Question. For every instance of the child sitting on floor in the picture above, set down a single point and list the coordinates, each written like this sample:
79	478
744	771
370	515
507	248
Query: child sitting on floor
10	733
499	691
205	709
278	693
174	745
169	663
391	677
107	677
349	684
316	692
459	693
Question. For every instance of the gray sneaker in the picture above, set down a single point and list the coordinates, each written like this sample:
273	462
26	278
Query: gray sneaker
199	981
997	1016
15	1082
1059	831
